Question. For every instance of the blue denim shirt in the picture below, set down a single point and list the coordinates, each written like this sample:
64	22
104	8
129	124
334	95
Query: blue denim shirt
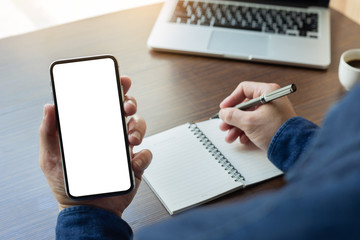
321	199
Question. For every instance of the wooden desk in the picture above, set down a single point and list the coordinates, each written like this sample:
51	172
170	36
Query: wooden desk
171	89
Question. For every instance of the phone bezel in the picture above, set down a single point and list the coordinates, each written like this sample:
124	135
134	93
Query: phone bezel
121	103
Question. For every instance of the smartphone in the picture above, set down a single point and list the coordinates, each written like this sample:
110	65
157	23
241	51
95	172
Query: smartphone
91	127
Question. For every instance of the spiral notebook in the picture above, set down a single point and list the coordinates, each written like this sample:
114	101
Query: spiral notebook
192	164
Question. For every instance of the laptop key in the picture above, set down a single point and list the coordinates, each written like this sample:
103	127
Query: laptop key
302	33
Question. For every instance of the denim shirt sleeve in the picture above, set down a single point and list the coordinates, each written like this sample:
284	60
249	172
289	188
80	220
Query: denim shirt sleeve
85	222
290	141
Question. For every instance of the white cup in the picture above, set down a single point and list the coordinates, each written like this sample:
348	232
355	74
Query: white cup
349	75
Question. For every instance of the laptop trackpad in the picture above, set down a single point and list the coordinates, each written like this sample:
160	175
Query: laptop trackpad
241	44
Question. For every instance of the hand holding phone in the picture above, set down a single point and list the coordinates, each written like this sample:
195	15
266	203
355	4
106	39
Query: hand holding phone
50	158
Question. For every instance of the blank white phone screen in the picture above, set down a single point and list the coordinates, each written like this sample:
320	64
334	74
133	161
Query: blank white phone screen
91	127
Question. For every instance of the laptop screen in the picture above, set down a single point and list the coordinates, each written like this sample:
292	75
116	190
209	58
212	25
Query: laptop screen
299	3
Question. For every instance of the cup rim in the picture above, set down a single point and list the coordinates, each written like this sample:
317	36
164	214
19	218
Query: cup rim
350	58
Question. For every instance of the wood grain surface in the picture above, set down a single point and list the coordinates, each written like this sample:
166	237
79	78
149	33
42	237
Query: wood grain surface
171	89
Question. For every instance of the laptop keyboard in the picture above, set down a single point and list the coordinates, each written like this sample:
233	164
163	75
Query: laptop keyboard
277	21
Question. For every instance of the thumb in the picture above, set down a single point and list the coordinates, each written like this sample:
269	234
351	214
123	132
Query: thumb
48	133
233	117
140	162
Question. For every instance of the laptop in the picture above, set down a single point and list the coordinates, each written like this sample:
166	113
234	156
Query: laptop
291	32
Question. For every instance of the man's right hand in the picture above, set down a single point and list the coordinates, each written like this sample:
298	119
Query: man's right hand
257	125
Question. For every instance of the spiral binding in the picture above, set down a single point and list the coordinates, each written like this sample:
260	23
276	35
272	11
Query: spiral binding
212	149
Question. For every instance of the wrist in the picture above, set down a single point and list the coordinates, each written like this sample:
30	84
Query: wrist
98	222
290	141
90	204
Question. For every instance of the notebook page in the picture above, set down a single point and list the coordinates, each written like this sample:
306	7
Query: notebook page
250	161
183	173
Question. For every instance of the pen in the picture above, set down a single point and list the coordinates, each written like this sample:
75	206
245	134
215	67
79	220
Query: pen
265	98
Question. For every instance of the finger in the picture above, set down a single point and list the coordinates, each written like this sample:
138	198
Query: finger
225	127
137	129
248	90
243	138
130	105
125	83
237	96
231	116
238	118
233	134
140	162
49	145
